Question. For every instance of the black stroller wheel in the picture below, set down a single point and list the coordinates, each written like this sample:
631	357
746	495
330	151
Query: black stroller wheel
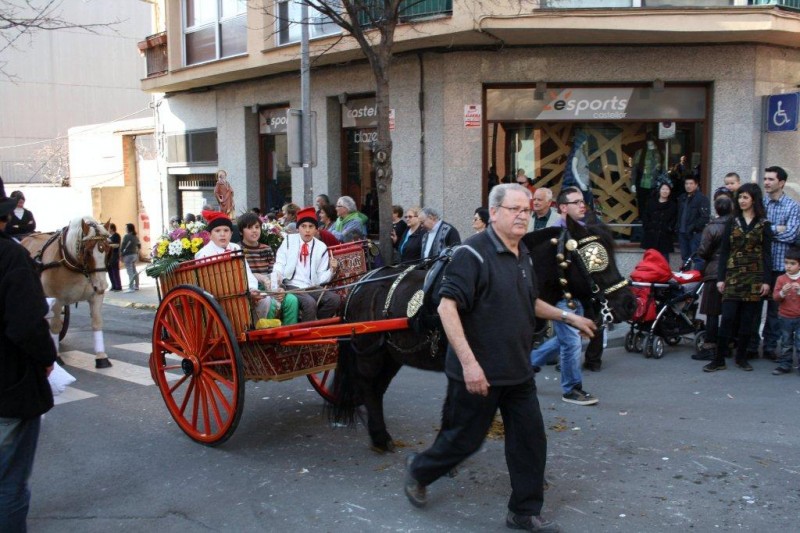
673	341
699	340
657	347
630	341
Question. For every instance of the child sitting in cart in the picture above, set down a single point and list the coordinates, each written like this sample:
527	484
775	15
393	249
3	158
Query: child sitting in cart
303	264
221	228
260	258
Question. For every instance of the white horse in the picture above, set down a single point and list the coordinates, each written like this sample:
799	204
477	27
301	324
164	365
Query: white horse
74	270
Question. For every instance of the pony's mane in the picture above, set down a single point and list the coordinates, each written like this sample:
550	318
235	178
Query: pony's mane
75	232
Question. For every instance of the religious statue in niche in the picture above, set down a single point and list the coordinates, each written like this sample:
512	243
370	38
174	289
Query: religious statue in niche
223	192
576	172
646	170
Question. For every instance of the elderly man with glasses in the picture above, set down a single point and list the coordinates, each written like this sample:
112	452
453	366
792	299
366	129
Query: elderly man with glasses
350	221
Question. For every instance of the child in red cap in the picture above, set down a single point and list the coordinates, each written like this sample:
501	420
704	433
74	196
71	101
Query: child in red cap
303	262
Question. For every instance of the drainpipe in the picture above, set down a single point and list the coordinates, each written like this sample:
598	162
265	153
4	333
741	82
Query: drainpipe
421	103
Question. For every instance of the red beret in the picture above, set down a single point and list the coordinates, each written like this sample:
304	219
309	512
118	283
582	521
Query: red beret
307	214
216	219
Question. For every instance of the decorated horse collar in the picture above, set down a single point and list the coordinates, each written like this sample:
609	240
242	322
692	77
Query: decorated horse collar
593	257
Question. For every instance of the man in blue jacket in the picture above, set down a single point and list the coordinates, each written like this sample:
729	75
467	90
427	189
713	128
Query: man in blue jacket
27	354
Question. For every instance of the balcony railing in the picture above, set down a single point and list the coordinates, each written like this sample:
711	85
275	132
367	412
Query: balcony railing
154	49
792	4
410	10
573	4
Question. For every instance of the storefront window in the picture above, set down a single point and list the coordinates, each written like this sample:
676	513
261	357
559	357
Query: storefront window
276	175
597	139
359	135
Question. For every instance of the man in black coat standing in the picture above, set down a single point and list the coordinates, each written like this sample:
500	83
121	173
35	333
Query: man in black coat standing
27	354
694	212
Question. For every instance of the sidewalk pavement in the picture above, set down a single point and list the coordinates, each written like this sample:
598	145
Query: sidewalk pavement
145	298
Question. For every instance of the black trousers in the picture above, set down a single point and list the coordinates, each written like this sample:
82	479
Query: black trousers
113	275
737	316
469	417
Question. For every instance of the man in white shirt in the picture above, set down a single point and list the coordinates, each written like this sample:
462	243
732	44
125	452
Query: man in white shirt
303	262
221	228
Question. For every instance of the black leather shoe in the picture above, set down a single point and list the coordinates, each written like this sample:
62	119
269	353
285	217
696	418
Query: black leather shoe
745	366
594	367
752	355
704	355
713	366
530	523
416	493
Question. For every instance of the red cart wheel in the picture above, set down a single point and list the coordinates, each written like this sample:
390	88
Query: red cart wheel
323	384
207	398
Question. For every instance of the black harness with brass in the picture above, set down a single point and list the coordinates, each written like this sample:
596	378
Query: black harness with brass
591	257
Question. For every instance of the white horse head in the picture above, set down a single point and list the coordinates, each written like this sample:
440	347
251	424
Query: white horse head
87	244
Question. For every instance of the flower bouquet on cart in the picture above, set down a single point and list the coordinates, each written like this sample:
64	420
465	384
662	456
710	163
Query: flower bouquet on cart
272	233
177	246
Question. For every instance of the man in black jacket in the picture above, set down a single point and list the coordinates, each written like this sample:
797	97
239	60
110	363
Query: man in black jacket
440	234
27	354
693	216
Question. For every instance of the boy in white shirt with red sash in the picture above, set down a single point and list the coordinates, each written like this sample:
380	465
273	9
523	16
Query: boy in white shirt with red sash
303	262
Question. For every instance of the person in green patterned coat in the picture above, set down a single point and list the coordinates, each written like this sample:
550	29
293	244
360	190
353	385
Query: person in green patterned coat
745	265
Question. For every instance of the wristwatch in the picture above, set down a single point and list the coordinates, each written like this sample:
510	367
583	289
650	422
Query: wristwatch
564	316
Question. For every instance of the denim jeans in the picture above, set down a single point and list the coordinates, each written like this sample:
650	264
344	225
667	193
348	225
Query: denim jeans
790	340
567	342
18	440
689	243
130	266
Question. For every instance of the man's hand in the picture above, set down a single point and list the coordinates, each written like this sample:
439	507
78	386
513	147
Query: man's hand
48	370
334	262
584	325
764	289
475	380
721	286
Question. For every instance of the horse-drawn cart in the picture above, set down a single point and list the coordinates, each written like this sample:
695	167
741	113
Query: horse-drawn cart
205	346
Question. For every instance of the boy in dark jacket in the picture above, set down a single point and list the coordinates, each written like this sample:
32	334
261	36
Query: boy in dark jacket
27	354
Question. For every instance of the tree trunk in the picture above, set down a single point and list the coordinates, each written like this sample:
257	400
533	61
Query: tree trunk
383	158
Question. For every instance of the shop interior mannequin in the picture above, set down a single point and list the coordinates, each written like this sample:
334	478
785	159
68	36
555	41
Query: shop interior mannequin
576	172
646	169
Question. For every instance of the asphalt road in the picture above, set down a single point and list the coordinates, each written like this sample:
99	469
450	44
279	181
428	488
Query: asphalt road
668	448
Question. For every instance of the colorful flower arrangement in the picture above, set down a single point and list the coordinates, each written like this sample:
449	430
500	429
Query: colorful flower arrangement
272	233
177	246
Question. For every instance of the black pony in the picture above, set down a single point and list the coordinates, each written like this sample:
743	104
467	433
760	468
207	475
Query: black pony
572	263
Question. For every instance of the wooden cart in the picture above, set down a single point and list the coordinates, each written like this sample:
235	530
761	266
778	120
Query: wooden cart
205	346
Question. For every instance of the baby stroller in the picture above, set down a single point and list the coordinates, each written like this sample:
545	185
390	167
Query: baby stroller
667	303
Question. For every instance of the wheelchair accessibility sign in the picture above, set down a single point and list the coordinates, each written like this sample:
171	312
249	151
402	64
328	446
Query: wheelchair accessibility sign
782	112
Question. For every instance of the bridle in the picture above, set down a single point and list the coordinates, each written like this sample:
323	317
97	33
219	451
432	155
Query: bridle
591	257
79	261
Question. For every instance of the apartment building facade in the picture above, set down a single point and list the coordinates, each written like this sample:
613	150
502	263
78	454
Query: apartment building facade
478	91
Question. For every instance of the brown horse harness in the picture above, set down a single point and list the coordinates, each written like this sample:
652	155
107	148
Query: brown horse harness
75	264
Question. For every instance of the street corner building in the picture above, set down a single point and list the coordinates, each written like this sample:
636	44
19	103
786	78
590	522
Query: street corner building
562	89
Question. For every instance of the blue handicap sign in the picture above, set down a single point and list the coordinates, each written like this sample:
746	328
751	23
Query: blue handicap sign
782	112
